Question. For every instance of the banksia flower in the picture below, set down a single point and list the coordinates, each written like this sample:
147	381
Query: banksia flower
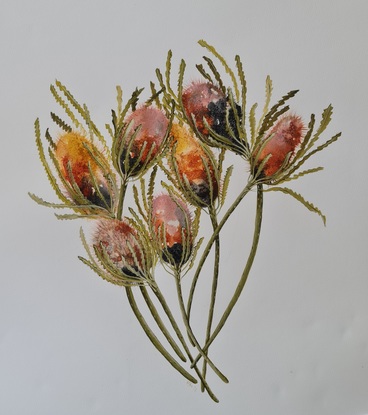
280	144
117	244
172	225
206	101
194	167
84	170
143	138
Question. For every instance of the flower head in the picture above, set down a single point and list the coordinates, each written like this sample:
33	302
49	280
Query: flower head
80	164
119	241
280	144
172	226
195	166
143	139
205	101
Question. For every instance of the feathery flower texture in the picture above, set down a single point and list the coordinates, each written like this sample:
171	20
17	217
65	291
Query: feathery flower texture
281	142
162	172
79	168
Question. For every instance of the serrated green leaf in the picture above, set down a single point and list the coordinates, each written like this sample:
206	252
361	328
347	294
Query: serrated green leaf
65	106
228	70
216	74
45	164
300	199
268	94
302	173
226	183
326	118
316	150
252	124
243	83
204	73
119	98
168	75
62	124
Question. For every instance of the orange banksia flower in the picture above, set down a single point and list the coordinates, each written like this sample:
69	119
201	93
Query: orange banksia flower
143	139
206	101
194	165
95	181
120	242
281	142
80	164
171	222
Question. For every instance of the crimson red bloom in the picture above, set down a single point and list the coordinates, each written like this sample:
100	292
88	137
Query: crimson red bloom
282	140
120	242
206	101
147	141
171	217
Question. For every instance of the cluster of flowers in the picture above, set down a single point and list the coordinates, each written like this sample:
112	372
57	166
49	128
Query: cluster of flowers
187	135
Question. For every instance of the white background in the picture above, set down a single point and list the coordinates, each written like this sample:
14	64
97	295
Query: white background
297	342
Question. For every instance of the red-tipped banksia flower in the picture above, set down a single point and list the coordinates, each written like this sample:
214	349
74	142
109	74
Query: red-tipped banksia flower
280	144
205	101
194	166
143	139
119	241
80	164
172	225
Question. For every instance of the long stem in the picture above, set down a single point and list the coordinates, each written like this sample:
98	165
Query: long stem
170	316
123	187
160	323
190	331
154	339
208	247
244	277
214	287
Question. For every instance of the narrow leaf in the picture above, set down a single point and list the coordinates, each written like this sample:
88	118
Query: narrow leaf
300	199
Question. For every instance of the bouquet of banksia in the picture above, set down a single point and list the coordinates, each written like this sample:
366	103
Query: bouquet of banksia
184	132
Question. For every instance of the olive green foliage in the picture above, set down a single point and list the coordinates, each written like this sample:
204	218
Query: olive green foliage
148	249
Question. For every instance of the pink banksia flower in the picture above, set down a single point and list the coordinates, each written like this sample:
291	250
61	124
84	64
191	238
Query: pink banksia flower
172	224
281	142
77	159
120	242
194	165
204	100
144	139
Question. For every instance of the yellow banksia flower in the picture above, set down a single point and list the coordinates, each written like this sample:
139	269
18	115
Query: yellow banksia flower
84	169
193	166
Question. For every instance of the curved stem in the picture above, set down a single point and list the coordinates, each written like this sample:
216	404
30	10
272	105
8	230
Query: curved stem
154	339
244	277
170	316
206	251
161	324
211	310
190	331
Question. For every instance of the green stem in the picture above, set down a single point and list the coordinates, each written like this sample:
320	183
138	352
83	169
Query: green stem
123	187
208	247
161	324
190	331
244	277
154	339
213	217
170	316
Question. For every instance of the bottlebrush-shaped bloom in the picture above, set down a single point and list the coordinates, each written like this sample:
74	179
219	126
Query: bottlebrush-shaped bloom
207	101
280	143
143	139
120	242
194	165
77	159
172	224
